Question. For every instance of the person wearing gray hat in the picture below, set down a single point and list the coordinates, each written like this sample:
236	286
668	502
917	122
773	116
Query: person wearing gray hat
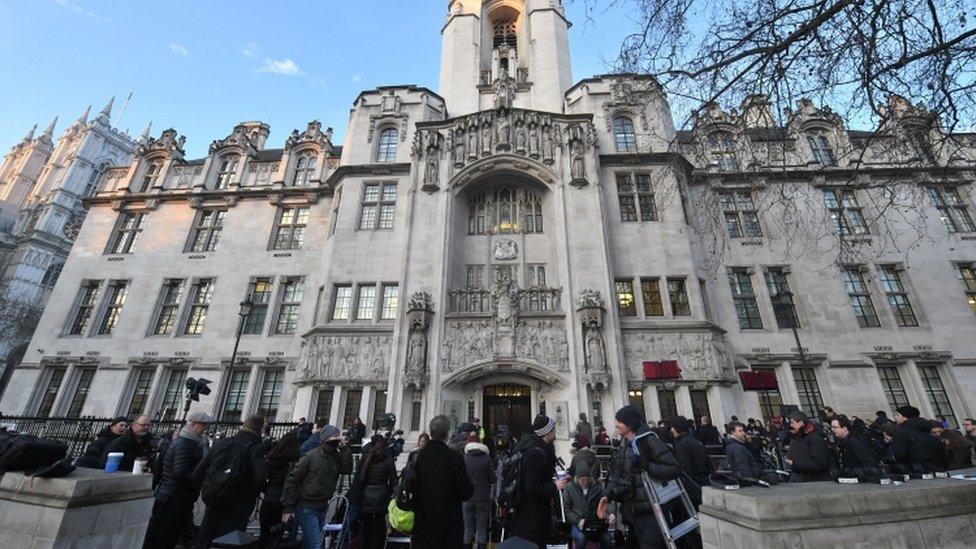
177	492
312	483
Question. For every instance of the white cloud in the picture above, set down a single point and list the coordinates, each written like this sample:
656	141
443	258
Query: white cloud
78	8
249	50
357	78
179	49
285	67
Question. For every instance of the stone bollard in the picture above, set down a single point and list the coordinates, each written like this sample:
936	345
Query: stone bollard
88	508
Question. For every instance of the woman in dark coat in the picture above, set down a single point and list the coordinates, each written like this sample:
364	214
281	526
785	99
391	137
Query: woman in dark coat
94	451
958	450
281	459
378	480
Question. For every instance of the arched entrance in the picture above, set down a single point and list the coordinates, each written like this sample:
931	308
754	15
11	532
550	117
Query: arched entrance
508	404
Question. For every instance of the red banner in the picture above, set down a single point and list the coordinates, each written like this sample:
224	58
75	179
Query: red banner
664	369
759	381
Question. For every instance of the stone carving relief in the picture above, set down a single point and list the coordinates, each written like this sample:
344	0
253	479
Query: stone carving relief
471	341
590	309
506	250
432	164
167	143
420	309
345	358
313	134
391	112
702	356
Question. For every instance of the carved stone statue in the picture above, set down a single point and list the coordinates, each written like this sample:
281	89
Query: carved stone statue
577	167
458	151
432	164
520	138
547	145
534	140
504	131
504	90
473	140
486	136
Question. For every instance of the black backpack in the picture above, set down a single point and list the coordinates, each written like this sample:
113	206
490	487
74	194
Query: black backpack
510	488
405	492
229	476
24	452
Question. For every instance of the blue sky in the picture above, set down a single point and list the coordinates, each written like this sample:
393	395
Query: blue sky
202	66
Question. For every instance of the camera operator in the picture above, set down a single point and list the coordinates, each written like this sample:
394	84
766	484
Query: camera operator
808	457
855	454
640	451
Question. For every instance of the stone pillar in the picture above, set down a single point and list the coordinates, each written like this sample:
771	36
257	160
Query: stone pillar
682	396
652	406
88	508
366	407
303	403
335	415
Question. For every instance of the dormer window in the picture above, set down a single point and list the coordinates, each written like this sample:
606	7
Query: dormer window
387	150
823	154
228	167
624	135
152	176
305	168
721	146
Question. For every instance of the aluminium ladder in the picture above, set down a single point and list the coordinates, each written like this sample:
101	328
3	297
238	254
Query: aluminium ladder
662	493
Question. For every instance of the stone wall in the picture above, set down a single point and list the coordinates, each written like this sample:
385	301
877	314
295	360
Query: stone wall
938	513
88	508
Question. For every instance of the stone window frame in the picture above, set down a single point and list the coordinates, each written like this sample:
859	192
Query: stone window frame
228	165
250	327
165	392
890	393
240	388
721	148
931	393
860	289
966	272
357	304
43	396
286	304
777	279
821	149
124	236
132	389
387	149
624	136
628	188
895	288
953	208
305	166
347	307
192	304
84	302
208	222
683	297
651	307
163	303
78	389
619	291
744	216
845	209
290	235
380	204
152	175
389	312
274	396
749	299
110	308
807	388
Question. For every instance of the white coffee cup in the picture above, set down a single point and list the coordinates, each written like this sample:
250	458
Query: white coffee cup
138	466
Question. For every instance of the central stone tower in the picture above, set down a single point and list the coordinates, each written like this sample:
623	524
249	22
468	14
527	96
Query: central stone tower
511	53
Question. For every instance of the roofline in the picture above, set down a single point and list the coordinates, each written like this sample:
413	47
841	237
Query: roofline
408	87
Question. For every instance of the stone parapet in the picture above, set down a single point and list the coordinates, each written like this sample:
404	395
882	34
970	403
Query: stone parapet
89	508
921	513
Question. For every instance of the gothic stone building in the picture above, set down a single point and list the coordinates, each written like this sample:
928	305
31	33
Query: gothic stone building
519	242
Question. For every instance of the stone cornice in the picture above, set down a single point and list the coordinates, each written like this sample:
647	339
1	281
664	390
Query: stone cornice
935	174
377	170
229	196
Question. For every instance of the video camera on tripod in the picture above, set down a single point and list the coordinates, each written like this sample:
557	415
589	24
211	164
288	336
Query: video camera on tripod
195	388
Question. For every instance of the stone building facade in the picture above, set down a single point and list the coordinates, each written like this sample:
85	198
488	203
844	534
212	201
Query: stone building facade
519	243
42	186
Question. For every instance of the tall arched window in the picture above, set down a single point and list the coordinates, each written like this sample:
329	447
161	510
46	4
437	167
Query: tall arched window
721	146
305	168
505	210
387	150
228	167
152	176
823	154
624	135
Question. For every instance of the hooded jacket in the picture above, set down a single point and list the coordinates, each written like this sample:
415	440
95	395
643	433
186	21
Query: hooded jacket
625	483
913	445
312	482
131	446
478	464
90	459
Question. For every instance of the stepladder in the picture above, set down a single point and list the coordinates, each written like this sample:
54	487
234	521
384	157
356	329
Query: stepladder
671	504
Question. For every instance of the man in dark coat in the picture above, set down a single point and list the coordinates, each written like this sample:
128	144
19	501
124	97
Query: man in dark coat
742	463
218	521
135	443
855	454
533	510
912	444
90	459
357	432
442	484
808	457
640	451
708	433
176	492
690	451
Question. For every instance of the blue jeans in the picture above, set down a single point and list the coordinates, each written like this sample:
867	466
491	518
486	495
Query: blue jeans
579	539
311	520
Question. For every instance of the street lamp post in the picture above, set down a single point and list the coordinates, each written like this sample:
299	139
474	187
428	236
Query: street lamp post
783	301
245	311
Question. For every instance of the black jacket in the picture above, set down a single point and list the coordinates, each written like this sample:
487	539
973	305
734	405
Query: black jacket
442	485
811	457
182	458
259	469
913	445
277	473
533	512
93	454
378	482
625	482
478	464
131	446
855	454
692	458
741	461
357	433
708	434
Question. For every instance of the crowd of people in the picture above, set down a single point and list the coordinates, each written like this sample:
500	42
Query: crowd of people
460	474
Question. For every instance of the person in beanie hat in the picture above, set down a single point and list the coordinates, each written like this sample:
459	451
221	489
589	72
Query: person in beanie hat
534	511
640	451
808	458
912	444
114	430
